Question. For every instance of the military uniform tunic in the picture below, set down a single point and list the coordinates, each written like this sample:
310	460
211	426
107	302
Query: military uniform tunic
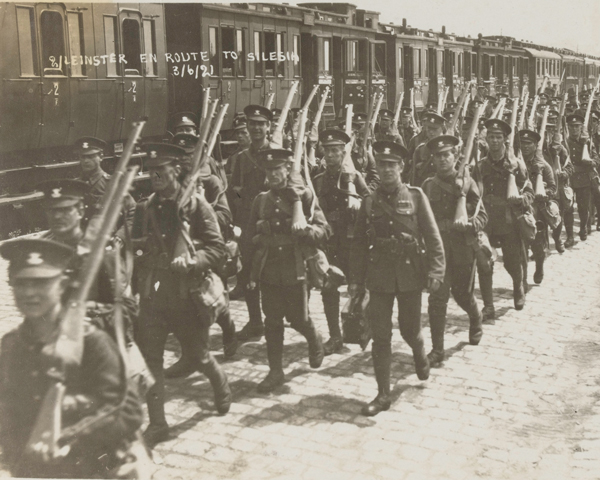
367	168
581	179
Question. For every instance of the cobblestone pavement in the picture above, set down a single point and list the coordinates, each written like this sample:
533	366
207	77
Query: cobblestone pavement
524	404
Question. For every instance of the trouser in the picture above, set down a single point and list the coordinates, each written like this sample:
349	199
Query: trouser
584	198
331	296
252	296
514	256
289	302
458	280
379	313
540	243
155	324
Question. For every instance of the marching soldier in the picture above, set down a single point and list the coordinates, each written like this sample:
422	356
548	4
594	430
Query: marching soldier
98	443
407	130
584	170
166	277
386	133
443	191
363	160
279	263
394	224
555	153
247	181
185	122
421	167
331	186
502	227
536	165
90	151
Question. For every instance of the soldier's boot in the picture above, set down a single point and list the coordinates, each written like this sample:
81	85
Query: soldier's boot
519	295
316	352
230	343
558	243
254	329
569	220
538	276
158	429
475	325
382	360
331	305
219	383
437	325
487	293
183	367
275	377
420	356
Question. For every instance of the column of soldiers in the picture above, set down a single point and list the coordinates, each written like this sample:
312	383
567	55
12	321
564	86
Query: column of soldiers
384	215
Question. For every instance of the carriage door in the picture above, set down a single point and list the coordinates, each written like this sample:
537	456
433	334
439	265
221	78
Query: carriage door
131	66
228	69
355	74
378	70
54	82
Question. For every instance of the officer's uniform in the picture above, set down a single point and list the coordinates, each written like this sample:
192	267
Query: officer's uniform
98	182
247	181
391	230
422	167
583	173
279	267
166	303
331	186
443	194
502	226
536	165
96	385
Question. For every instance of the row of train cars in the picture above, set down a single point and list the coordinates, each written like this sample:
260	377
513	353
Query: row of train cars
91	69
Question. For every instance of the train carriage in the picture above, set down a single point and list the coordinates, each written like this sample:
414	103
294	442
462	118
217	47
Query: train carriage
592	69
543	63
574	67
456	52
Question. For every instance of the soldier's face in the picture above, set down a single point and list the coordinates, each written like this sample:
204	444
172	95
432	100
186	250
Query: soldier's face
258	129
163	177
528	148
385	123
37	297
464	131
189	129
334	155
495	140
444	162
405	119
277	177
575	129
90	163
389	172
433	130
243	137
64	219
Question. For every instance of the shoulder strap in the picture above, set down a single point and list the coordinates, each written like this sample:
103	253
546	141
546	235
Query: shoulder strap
403	220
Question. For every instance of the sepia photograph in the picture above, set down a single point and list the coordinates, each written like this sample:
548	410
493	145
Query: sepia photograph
354	241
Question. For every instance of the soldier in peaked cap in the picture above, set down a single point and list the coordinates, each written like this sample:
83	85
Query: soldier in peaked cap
502	227
332	183
363	160
247	181
386	131
167	276
536	167
279	262
90	151
394	229
38	280
406	129
421	166
185	122
444	191
585	169
213	167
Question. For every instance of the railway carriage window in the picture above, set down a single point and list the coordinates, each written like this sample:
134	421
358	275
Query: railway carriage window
132	47
270	47
352	56
27	42
213	49
76	46
400	70
53	42
228	45
296	50
258	48
459	66
537	63
379	63
441	63
240	62
455	65
428	66
280	50
150	48
492	66
111	43
325	60
417	62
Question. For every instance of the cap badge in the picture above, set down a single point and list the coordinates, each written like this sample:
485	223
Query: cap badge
330	137
85	145
256	112
56	192
181	141
185	119
269	157
35	258
386	150
440	144
153	154
432	120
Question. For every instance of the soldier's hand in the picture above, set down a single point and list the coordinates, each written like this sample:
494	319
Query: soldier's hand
182	264
515	200
461	224
563	175
251	285
433	285
355	289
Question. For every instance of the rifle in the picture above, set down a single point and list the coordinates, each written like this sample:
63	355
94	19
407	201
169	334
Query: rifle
309	100
513	121
298	219
577	96
205	100
277	136
371	119
586	121
531	121
544	83
499	110
349	116
560	81
523	111
67	351
202	136
540	190
461	101
314	130
413	107
397	112
269	100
